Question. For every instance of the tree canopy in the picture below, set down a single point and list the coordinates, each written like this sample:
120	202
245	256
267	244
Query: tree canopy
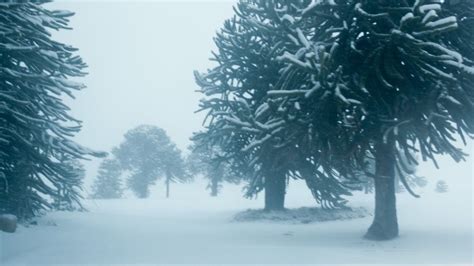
148	153
36	127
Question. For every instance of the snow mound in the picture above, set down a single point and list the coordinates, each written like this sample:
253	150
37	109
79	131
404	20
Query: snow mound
302	215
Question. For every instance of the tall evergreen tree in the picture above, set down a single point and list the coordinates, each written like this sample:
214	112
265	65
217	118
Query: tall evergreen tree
148	153
35	126
386	75
246	124
108	184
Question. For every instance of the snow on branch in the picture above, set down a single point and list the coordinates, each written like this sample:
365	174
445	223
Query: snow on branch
279	93
288	57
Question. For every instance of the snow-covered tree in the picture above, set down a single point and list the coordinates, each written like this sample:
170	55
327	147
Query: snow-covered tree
258	136
108	183
148	154
35	125
387	76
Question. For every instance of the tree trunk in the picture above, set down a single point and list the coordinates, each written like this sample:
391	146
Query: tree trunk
168	185
366	189
275	189
385	225
214	187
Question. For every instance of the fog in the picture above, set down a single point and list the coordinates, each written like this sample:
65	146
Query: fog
141	56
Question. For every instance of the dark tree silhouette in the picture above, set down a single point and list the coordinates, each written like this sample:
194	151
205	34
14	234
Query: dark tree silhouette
35	125
259	137
380	77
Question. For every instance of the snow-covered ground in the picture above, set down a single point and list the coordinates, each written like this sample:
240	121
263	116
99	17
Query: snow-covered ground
193	228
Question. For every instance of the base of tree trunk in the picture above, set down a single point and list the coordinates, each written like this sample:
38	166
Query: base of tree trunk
214	188
275	190
379	233
385	225
272	209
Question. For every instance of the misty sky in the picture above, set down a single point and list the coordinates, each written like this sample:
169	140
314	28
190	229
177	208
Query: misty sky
141	57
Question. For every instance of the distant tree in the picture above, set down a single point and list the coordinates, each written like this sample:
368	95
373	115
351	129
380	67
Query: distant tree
148	153
204	161
108	184
174	167
35	125
441	186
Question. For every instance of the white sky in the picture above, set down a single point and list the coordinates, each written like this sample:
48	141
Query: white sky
141	57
